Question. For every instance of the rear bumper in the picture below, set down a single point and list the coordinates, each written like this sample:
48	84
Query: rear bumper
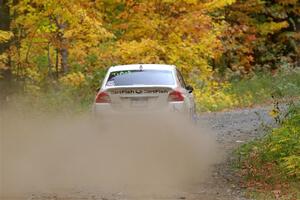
106	109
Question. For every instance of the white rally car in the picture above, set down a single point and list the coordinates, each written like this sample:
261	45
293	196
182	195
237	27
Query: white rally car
144	88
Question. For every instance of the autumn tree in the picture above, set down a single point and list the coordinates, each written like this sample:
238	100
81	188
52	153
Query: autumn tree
5	35
55	34
167	31
61	41
261	35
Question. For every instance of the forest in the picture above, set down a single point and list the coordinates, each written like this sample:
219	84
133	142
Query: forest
65	46
235	53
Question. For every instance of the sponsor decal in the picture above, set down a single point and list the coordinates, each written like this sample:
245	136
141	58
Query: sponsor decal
140	91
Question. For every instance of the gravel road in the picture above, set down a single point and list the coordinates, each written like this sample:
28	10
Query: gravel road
231	128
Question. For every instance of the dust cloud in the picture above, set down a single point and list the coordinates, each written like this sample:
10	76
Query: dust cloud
127	153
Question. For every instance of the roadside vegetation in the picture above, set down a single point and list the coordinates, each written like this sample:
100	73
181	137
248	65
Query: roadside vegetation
259	89
270	166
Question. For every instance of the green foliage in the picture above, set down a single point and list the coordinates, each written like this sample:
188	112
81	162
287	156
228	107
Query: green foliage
53	98
259	89
262	86
275	159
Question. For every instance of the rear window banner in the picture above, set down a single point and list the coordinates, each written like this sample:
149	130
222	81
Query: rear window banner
138	77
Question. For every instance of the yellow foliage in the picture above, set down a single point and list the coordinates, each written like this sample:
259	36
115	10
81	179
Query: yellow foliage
75	25
75	79
3	59
33	75
212	97
218	4
33	89
287	2
291	164
271	27
145	51
274	113
186	1
5	36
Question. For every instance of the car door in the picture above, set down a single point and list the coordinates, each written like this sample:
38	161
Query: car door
190	97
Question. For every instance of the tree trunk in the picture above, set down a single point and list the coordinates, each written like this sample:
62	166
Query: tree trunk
64	59
5	83
56	63
63	47
50	74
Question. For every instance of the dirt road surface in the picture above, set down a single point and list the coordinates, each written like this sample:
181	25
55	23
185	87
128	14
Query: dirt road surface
230	129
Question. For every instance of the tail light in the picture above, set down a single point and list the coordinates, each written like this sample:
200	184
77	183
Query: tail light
102	97
175	96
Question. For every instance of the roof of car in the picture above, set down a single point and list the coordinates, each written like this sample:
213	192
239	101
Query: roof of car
144	66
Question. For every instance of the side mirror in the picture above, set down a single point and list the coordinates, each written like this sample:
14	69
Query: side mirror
189	88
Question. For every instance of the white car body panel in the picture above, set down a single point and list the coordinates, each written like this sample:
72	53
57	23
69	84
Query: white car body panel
144	98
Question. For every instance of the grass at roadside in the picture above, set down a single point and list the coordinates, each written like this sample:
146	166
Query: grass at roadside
259	89
270	166
293	193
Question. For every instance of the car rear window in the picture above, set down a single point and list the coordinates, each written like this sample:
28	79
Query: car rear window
140	77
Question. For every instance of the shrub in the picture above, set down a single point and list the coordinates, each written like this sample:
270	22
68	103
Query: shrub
274	159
